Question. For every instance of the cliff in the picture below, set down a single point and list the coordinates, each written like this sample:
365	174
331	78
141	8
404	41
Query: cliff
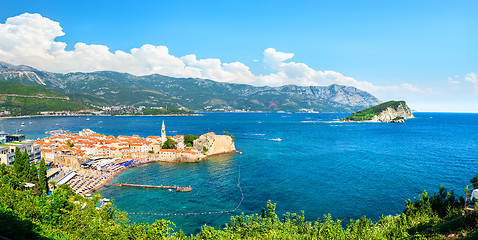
392	111
212	144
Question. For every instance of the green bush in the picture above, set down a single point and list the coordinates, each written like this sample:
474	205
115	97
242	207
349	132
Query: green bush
65	215
474	181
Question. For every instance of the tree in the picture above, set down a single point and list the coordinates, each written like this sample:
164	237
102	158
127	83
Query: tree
18	164
33	174
42	181
474	181
189	139
53	184
25	159
169	144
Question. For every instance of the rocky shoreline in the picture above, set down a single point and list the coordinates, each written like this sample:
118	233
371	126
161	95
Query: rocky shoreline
389	112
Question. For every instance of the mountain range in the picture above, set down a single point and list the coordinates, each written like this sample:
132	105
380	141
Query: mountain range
108	88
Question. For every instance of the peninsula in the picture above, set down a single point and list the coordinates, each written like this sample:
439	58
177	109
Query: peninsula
390	112
86	160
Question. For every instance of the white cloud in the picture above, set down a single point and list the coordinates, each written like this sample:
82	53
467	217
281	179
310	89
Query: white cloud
454	82
473	79
30	39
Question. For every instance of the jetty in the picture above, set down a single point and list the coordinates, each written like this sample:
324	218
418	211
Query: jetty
177	188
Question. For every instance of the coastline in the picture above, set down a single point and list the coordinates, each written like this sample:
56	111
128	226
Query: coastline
106	181
101	115
110	177
375	121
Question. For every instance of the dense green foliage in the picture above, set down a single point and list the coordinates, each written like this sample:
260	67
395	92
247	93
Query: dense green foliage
369	113
169	144
42	181
18	164
189	139
21	89
26	171
474	181
65	215
33	175
31	100
166	111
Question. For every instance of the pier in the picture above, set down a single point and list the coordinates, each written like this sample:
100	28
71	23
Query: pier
177	188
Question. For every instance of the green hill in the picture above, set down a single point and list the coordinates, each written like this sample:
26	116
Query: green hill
20	99
21	89
385	112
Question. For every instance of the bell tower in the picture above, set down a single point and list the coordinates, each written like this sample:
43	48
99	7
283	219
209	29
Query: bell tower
163	134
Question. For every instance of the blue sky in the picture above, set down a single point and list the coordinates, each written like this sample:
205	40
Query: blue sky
424	52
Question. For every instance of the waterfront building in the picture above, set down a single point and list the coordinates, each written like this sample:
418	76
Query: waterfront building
15	138
75	149
7	151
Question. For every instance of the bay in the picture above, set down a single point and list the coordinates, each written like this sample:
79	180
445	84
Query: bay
321	166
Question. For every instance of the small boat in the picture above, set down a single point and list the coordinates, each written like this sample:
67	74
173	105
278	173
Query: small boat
87	119
276	139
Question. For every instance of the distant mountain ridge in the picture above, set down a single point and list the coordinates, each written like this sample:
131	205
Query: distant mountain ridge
110	88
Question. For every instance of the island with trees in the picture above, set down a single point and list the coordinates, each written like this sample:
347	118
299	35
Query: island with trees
391	111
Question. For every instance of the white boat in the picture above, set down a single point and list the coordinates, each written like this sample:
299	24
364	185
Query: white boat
87	119
276	139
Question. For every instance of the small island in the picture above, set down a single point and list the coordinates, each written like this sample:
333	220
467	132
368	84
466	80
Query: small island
389	112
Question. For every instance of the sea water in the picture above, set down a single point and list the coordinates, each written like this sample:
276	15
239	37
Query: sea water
321	165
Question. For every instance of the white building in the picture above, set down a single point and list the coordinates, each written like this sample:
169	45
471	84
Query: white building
7	151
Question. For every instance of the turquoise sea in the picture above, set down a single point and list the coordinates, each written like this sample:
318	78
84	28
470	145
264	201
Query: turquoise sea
321	166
